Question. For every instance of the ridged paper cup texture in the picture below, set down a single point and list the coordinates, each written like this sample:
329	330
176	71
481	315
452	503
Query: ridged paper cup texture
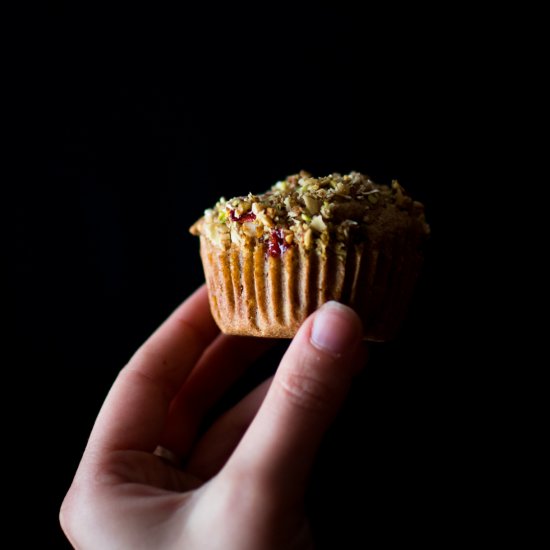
254	294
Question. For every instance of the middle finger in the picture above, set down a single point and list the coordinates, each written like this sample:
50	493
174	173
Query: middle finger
219	367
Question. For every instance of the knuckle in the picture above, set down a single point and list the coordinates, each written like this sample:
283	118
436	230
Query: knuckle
306	391
146	354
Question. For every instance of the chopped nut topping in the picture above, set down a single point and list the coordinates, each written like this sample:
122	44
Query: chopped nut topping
312	204
372	198
318	224
302	210
257	208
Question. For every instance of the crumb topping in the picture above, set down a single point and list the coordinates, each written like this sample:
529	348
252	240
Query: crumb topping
313	213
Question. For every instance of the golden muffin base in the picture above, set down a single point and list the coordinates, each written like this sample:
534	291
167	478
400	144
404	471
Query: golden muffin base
253	294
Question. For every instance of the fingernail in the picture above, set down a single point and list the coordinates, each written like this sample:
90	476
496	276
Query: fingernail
336	329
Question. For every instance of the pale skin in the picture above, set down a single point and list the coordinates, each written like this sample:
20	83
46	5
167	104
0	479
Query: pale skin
241	484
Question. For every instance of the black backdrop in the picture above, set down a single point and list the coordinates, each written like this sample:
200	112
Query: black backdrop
135	129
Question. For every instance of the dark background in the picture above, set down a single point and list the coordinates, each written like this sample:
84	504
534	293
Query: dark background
135	128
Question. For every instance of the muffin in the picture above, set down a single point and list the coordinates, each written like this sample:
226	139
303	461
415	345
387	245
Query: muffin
272	259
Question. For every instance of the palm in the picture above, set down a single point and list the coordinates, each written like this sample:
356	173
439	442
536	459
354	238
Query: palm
149	470
159	494
242	484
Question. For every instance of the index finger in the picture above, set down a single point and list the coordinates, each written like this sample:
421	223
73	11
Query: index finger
135	410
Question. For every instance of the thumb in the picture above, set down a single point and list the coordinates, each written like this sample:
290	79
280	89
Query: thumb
278	449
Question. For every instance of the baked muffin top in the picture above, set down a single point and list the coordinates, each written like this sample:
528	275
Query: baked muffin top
314	213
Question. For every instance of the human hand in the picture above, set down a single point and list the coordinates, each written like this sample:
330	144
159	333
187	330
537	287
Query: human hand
240	485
